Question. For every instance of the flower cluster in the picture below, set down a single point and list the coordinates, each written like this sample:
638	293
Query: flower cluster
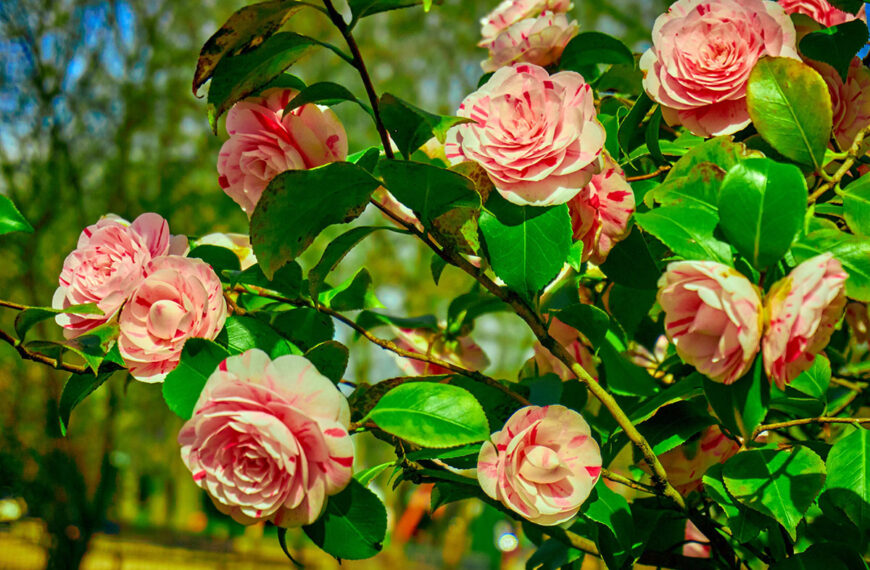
137	273
717	321
539	37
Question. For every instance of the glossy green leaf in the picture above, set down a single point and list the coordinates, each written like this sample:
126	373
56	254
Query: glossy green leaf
355	294
611	509
588	319
11	219
31	316
623	376
741	406
304	327
592	48
685	389
856	205
76	389
287	281
630	263
219	258
687	231
363	8
814	382
629	129
431	415
428	190
325	93
410	126
790	106
298	204
330	358
699	188
353	526
778	483
722	152
852	251
848	485
836	45
244	333
527	246
181	388
336	251
367	475
246	28
675	425
236	77
762	205
745	523
94	344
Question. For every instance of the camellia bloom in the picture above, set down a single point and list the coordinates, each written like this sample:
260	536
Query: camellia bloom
239	244
850	99
538	40
268	439
571	339
702	54
697	544
180	298
509	12
107	264
802	310
264	142
821	11
687	463
462	352
713	316
543	464
600	212
536	135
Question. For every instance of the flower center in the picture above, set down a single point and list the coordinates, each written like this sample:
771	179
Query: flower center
542	465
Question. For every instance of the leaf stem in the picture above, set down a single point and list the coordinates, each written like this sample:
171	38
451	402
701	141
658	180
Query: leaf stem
28	354
11	305
854	154
359	64
661	170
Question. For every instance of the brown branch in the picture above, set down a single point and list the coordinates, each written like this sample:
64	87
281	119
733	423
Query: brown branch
27	354
661	170
622	480
834	181
805	421
391	346
11	305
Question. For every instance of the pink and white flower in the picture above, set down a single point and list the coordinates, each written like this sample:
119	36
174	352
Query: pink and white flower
702	54
108	263
601	211
802	310
821	11
536	135
850	99
545	363
687	463
538	40
268	439
509	12
714	317
265	142
542	464
462	352
180	298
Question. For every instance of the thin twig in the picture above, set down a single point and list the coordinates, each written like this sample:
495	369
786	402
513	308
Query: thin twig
854	386
805	421
28	354
11	305
391	346
854	153
661	170
622	480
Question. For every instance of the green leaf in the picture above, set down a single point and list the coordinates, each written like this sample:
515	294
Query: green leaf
353	526
305	327
741	406
588	319
236	77
29	317
591	48
653	131
353	295
790	106
698	188
814	382
629	130
181	388
367	475
687	231
428	190
611	509
684	389
325	93
721	152
363	8
298	204
76	389
431	415
330	358
836	45
244	333
745	523
811	559
780	484
95	344
246	28
852	251
527	246
11	219
220	258
630	263
624	377
675	425
410	126
856	205
286	281
437	266
336	251
762	205
848	485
